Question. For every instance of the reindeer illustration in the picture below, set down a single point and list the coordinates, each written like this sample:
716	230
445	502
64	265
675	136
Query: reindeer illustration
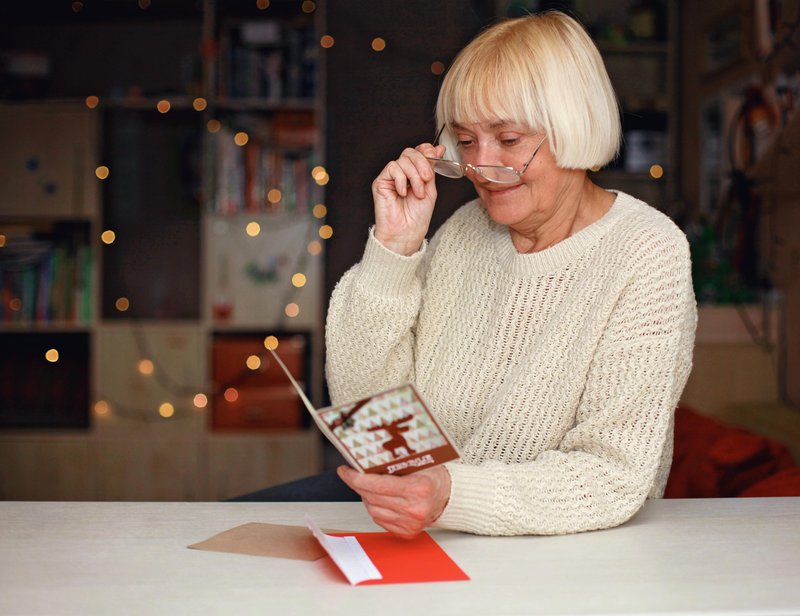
397	443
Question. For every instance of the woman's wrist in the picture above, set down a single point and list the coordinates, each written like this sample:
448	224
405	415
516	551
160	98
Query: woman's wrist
402	246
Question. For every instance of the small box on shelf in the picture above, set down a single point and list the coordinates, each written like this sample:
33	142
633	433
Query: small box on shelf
251	391
645	140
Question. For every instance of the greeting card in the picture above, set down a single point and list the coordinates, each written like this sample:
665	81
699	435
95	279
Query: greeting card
392	432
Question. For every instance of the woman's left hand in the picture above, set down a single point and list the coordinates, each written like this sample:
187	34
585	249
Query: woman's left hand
403	505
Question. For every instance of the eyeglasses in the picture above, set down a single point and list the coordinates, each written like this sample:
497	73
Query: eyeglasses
498	174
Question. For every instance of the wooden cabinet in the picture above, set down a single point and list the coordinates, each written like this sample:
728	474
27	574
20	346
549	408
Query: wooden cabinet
49	203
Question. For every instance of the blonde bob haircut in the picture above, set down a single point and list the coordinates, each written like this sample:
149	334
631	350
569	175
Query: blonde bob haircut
542	71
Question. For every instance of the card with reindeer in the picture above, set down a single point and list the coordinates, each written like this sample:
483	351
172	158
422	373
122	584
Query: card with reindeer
392	432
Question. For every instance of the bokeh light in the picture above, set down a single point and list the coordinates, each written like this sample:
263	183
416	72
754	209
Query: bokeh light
314	247
656	172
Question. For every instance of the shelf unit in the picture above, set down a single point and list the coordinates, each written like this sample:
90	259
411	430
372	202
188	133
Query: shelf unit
644	75
740	159
641	56
142	424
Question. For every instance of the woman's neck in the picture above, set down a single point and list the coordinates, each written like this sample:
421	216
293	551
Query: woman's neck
577	206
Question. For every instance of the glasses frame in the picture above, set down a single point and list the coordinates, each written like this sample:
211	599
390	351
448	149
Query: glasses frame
478	169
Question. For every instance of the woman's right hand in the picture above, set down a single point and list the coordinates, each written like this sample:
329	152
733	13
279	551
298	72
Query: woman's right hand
404	194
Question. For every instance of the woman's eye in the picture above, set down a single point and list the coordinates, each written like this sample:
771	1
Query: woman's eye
463	143
510	141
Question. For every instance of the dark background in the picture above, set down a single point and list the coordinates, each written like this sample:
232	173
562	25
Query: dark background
380	103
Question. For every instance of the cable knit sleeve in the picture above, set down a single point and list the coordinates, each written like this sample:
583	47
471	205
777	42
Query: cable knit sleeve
617	451
369	328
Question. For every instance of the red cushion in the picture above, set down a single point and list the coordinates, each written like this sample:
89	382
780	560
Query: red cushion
783	483
713	460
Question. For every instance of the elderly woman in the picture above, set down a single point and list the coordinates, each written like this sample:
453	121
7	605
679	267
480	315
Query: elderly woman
548	324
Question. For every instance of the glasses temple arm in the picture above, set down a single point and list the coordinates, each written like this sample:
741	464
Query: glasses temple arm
530	160
438	134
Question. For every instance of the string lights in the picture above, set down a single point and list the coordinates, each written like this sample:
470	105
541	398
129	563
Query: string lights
187	399
184	401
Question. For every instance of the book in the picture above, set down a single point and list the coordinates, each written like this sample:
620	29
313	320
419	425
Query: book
391	432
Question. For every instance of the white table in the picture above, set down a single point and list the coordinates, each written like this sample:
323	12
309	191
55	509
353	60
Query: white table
726	556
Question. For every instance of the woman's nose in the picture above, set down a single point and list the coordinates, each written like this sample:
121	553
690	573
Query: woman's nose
485	154
473	175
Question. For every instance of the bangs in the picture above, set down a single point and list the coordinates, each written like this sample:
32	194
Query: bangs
487	87
487	92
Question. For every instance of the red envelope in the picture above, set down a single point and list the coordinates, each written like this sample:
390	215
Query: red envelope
403	561
383	558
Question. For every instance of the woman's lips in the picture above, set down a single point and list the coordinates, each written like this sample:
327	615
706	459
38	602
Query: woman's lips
497	192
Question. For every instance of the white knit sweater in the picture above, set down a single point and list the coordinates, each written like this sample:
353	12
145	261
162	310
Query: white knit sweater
557	373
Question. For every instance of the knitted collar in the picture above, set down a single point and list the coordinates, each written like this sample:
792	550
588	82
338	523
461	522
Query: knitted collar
558	255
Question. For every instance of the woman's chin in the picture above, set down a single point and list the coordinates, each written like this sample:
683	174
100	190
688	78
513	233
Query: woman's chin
502	205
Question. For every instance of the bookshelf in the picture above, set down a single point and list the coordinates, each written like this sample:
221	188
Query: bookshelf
48	216
637	40
181	207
